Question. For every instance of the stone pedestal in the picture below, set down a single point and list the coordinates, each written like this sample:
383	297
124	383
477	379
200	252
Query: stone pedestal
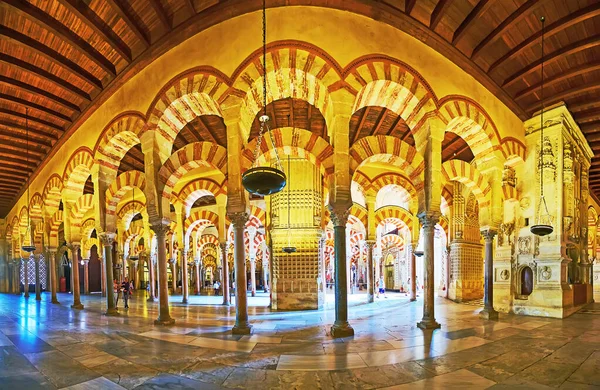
467	271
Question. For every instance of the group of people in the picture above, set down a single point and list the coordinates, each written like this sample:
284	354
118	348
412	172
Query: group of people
124	290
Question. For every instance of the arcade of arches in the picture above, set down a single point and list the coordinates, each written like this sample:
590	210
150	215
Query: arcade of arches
403	172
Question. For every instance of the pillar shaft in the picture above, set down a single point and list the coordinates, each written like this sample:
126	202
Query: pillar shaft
197	269
102	275
428	221
253	277
341	327
86	277
488	311
184	277
53	277
152	277
75	269
370	271
164	318
174	276
107	241
38	286
26	277
225	274
413	273
241	299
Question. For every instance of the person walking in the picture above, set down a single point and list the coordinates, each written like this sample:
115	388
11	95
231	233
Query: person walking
126	290
382	287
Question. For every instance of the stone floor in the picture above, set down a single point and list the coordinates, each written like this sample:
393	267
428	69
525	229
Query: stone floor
50	346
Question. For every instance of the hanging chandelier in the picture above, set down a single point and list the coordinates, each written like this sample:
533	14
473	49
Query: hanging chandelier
28	247
543	227
264	180
289	248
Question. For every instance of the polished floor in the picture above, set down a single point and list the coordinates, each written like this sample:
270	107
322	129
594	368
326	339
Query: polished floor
52	346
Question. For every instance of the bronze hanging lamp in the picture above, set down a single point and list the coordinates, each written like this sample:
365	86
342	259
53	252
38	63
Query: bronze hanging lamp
289	248
264	180
543	227
28	247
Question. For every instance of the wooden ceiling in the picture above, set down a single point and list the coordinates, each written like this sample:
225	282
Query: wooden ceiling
63	58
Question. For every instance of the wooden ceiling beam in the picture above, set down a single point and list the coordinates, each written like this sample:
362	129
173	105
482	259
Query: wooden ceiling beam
119	7
62	32
208	130
36	106
565	95
99	26
162	15
16	158
438	13
19	139
38	91
475	13
554	28
577	107
588	116
51	125
190	6
19	171
563	52
577	71
590	127
51	55
520	13
380	121
34	154
361	123
43	74
409	5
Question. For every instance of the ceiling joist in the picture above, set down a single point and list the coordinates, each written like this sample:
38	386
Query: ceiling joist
41	92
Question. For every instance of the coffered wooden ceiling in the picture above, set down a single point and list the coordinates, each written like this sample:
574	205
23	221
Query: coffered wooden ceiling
63	58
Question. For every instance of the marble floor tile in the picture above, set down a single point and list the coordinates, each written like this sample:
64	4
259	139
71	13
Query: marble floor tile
227	345
62	370
245	378
380	358
409	342
449	346
355	347
318	363
31	381
126	374
167	381
100	383
461	379
548	372
261	339
95	359
381	376
12	362
5	341
589	371
26	342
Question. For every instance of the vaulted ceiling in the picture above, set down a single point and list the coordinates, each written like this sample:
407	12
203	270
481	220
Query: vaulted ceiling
61	59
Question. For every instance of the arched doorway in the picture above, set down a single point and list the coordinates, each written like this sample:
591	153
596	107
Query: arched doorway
95	270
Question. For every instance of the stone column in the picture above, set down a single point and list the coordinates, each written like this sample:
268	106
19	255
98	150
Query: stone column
225	274
413	272
53	277
164	318
152	277
241	299
428	221
75	270
16	275
197	267
38	286
102	274
86	276
26	277
488	311
107	240
253	276
369	244
173	263
341	327
184	277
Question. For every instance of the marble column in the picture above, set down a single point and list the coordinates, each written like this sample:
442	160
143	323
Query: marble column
107	240
241	299
53	277
341	327
413	273
152	281
173	263
253	276
370	271
164	318
26	277
75	270
16	275
197	268
226	301
38	286
428	221
102	276
184	277
86	276
488	311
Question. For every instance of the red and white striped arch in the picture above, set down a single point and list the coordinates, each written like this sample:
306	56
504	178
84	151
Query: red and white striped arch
76	173
196	189
456	170
119	136
51	195
398	216
124	183
130	210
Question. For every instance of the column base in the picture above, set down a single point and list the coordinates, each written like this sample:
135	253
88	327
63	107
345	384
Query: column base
111	312
55	301
244	329
184	300
38	298
151	299
428	324
370	298
227	303
77	306
413	299
164	321
488	314
342	330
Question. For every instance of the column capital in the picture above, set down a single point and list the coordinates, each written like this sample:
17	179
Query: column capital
238	219
74	246
369	244
339	215
429	219
107	239
160	228
488	235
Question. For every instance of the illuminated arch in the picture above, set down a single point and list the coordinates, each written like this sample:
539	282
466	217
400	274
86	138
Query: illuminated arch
54	224
130	210
76	173
398	216
36	207
514	151
456	170
52	193
196	189
83	204
124	183
117	138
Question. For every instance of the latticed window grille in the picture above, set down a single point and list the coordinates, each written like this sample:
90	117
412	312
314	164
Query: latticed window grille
30	263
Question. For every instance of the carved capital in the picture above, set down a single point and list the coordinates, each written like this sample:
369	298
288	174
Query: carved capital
74	247
238	219
107	239
429	219
488	235
369	244
160	229
339	216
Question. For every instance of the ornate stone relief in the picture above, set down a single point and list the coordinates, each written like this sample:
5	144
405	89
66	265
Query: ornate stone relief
509	176
504	274
524	245
545	273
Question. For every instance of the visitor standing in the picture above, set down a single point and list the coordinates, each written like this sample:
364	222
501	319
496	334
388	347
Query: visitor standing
382	287
126	290
116	291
